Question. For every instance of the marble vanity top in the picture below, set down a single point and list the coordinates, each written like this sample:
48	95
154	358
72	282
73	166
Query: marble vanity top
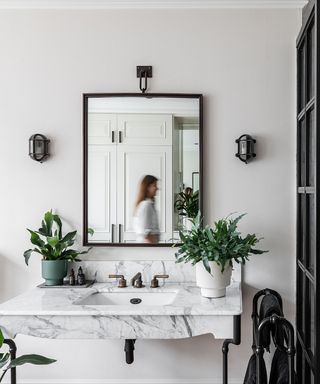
56	313
62	302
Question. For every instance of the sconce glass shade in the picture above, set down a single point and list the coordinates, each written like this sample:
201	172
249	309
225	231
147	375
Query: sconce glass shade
245	148
39	147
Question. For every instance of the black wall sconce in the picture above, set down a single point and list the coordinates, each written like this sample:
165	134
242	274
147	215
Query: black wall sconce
245	148
39	147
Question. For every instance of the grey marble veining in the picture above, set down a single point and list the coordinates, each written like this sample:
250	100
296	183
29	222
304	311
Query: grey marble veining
177	272
182	273
56	313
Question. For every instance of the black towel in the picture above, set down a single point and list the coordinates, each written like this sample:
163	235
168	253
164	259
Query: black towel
251	377
279	373
270	306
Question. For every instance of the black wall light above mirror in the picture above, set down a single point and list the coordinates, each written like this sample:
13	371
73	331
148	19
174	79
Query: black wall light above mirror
245	148
143	72
39	147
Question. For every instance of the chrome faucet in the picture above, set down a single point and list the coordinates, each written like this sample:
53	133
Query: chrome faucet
136	281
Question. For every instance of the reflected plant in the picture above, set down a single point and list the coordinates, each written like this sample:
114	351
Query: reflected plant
6	363
187	203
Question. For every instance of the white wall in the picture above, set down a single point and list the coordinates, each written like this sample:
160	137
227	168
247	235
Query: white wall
242	61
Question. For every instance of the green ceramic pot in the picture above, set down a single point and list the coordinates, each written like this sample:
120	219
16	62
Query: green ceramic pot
54	271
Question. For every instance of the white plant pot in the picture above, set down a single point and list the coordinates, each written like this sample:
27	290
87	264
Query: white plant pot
213	284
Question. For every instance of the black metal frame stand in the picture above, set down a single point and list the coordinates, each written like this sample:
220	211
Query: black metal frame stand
13	353
225	347
255	315
290	350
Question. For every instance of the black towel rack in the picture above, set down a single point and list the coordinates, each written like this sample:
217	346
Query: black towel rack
287	344
290	349
255	313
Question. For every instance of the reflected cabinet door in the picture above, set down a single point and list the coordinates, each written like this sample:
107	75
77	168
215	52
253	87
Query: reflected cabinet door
102	160
133	163
102	128
143	129
115	171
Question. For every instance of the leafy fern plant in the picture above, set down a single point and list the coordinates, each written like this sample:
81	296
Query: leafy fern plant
51	243
187	203
6	363
222	244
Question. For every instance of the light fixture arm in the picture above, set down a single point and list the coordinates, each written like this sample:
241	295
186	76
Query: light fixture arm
143	72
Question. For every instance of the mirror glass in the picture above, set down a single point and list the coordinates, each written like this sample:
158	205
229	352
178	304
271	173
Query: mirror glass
141	167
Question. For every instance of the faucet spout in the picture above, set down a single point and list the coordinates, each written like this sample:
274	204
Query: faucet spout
136	281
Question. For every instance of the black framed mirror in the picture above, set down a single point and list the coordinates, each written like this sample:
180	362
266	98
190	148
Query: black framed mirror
142	167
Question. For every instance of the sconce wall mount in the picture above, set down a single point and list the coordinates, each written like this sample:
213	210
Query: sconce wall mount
246	148
39	147
143	72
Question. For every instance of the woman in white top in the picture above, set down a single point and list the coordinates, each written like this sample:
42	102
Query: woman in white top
146	221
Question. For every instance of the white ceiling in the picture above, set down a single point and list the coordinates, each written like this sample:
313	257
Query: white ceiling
149	4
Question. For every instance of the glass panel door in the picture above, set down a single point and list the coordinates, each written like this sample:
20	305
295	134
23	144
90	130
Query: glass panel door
308	324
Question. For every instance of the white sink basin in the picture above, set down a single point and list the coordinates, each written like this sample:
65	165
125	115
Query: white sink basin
128	298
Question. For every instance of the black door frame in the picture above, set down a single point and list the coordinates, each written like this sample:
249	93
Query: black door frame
308	202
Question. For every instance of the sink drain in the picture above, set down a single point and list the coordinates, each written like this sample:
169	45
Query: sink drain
135	300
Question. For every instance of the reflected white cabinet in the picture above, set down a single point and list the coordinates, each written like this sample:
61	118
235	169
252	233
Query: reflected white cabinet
145	129
102	160
102	128
122	149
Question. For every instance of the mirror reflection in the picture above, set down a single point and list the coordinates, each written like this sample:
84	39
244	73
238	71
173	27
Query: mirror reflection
142	167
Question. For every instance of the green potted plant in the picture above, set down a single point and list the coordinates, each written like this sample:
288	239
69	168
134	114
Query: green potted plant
187	206
6	363
213	251
54	247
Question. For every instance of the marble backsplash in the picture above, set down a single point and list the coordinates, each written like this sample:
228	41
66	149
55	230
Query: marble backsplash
178	273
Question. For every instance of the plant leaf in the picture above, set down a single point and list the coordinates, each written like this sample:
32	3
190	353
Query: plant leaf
90	231
4	359
57	220
205	263
1	338
30	359
53	241
36	239
26	255
46	224
69	236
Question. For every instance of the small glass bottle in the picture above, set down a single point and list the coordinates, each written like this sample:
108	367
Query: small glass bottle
80	277
72	278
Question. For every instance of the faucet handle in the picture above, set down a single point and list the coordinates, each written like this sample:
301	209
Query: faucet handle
155	281
122	281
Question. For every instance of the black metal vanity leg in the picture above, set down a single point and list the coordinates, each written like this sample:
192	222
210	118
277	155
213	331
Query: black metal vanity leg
225	347
13	353
129	350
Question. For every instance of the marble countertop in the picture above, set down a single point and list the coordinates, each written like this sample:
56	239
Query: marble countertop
53	313
61	302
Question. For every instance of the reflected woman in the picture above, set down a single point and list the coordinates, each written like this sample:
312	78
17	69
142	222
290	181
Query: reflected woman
146	223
